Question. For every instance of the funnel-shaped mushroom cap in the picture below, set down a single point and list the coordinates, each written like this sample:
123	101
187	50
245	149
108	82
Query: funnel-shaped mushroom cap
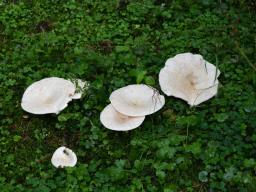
63	157
116	121
49	95
137	100
190	78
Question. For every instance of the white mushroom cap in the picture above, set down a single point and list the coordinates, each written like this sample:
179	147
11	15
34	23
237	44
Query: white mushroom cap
137	100
190	78
49	95
63	157
116	121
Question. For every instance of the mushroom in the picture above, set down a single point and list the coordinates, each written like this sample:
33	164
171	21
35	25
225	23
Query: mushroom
189	77
116	121
63	157
137	100
49	95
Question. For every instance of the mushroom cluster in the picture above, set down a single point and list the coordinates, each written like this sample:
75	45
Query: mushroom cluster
189	77
186	76
50	95
129	106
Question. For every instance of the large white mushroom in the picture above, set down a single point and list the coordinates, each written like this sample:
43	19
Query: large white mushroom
49	95
137	100
116	121
189	77
63	157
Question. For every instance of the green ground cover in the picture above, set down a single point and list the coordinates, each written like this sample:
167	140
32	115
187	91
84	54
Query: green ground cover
111	44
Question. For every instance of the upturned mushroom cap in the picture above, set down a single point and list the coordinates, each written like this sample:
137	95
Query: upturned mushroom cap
190	78
116	121
137	100
63	157
49	95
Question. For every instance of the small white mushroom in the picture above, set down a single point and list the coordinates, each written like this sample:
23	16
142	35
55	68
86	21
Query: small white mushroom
137	100
116	121
190	78
49	95
63	157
